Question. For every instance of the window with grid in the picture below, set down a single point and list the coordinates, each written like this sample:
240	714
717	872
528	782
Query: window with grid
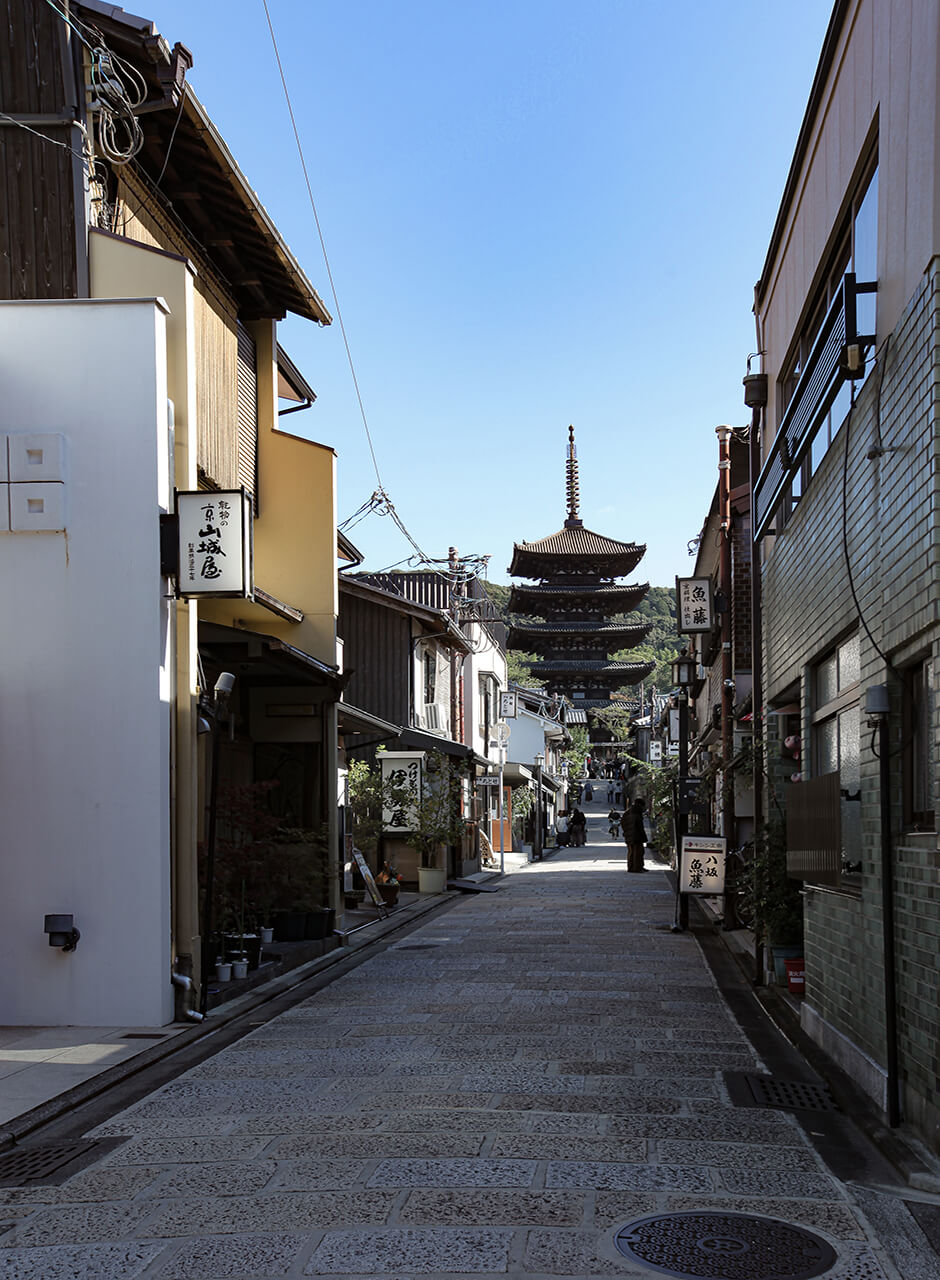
856	251
836	744
918	753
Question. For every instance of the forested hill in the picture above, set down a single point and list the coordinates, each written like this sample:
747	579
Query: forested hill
660	646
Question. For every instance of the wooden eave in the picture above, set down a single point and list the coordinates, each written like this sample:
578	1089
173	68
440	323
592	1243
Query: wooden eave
200	183
438	624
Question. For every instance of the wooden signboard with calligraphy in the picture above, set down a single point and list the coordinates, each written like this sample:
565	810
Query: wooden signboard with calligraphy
369	880
702	869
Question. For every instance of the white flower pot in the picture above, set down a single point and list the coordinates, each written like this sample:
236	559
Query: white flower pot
431	879
239	969
223	972
267	935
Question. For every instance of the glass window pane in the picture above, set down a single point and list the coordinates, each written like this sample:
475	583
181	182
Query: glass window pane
819	447
866	254
850	669
840	407
849	752
827	747
827	680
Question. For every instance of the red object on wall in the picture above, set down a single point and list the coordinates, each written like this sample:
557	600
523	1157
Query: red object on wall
796	977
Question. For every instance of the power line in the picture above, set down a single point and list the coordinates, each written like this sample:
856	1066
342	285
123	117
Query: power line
316	218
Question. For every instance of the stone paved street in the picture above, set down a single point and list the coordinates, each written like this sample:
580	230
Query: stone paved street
497	1092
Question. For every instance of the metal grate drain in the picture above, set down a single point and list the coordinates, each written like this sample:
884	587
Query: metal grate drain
144	1035
725	1246
31	1165
750	1090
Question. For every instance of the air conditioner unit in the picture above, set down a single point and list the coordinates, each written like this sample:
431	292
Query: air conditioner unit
432	717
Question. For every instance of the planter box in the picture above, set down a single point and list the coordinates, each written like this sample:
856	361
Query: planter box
290	926
319	924
431	879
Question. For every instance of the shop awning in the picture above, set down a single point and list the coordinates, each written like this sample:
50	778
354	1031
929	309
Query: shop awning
354	720
516	774
429	742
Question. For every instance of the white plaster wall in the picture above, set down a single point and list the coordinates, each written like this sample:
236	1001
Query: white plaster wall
487	659
527	738
84	681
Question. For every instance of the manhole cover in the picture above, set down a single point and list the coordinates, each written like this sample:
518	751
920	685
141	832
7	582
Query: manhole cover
39	1164
750	1090
725	1246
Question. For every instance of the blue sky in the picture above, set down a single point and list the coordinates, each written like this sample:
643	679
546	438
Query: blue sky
536	213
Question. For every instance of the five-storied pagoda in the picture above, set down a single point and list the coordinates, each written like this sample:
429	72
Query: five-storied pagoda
577	595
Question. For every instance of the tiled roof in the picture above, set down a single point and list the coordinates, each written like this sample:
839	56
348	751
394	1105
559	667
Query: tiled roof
612	591
594	667
578	542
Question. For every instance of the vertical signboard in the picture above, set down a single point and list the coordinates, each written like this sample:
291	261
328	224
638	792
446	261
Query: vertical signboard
215	530
702	868
402	770
695	610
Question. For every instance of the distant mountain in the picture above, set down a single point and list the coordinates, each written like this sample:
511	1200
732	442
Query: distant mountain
660	646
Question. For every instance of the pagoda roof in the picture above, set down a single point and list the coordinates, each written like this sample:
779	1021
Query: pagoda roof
612	595
633	632
627	672
601	704
574	546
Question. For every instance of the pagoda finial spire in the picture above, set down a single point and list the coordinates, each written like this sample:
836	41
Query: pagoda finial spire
571	483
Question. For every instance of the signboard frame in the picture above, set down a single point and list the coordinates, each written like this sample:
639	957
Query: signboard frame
714	850
695	606
214	530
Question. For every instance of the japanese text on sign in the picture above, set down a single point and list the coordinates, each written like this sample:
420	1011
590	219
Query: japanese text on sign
702	868
214	543
694	605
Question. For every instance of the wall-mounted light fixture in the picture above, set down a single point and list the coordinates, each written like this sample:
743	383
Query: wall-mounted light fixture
62	932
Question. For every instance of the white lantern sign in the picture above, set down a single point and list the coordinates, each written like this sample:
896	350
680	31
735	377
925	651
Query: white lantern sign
215	528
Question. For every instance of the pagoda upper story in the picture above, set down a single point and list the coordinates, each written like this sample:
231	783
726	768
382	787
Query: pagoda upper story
578	597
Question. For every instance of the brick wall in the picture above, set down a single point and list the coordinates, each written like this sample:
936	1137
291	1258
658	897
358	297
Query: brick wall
891	503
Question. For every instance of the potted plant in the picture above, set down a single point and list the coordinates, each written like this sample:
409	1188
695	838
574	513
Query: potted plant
369	795
303	858
777	899
389	884
437	820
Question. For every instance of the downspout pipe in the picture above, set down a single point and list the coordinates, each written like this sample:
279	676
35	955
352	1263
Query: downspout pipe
755	397
727	662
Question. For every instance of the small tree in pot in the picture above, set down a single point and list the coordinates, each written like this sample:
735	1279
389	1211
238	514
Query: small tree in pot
437	819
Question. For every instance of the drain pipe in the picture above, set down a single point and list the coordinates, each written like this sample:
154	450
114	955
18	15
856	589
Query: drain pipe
878	707
755	397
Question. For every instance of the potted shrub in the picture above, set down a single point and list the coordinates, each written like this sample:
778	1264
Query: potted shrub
389	884
437	820
368	796
777	899
303	859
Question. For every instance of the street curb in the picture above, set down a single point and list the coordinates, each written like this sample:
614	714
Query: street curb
20	1126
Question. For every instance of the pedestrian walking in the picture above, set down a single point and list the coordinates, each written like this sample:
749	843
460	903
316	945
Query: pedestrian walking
613	823
634	834
577	824
588	792
610	791
562	833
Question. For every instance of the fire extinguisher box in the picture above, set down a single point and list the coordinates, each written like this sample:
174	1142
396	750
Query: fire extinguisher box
796	977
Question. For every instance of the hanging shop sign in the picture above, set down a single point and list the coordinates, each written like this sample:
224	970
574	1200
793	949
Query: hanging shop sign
488	780
702	868
695	607
215	551
401	770
508	706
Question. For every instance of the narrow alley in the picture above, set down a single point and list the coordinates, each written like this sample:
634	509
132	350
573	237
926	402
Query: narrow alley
503	1090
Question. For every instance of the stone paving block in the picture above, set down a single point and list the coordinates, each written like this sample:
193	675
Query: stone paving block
313	1122
454	1173
858	1263
191	1126
472	1251
612	1208
319	1175
573	1253
550	1146
230	1178
372	1145
584	1174
832	1217
238	1255
282	1211
560	1122
411	1118
657	1086
757	1182
773	1127
658	1105
522	1079
77	1224
69	1262
738	1155
90	1185
458	1207
142	1150
442	1099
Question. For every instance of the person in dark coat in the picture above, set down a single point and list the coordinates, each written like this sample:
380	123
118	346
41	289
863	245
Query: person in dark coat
578	825
634	834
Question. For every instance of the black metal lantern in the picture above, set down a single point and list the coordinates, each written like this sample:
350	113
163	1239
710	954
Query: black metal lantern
683	671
